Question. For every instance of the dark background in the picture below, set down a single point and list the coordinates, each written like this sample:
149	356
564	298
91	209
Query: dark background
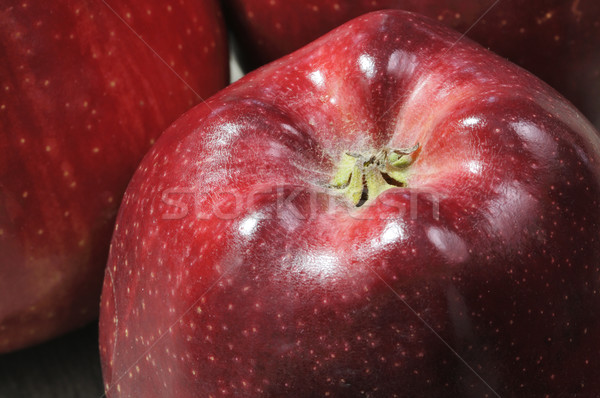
67	367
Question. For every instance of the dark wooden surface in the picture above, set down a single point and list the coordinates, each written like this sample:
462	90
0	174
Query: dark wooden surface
67	367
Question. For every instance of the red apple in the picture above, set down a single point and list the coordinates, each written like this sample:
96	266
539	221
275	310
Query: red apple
389	211
555	39
86	88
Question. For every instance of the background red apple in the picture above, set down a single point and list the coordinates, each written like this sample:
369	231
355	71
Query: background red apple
86	88
557	40
239	266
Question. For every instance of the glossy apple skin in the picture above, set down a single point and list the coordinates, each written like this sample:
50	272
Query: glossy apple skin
557	40
234	269
82	99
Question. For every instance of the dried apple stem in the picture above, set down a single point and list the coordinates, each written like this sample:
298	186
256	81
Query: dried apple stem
363	177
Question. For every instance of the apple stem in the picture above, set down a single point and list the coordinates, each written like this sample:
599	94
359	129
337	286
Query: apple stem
363	177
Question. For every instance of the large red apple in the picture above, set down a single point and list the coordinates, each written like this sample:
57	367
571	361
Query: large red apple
557	40
390	211
86	88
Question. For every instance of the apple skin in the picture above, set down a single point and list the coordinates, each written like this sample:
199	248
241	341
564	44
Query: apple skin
236	270
557	40
82	99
